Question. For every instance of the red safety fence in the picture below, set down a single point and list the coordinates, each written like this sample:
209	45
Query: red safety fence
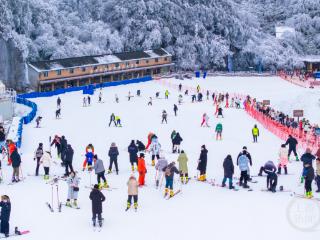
305	140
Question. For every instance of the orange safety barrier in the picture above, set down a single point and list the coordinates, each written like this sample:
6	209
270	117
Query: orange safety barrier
304	140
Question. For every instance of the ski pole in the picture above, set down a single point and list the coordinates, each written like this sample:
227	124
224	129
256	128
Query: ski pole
58	200
51	195
22	178
161	180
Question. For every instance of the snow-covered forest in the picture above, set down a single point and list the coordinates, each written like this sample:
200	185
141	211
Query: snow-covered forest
199	33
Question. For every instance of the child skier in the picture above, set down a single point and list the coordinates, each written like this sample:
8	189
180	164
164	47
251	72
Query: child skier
5	215
116	98
99	171
97	198
183	167
133	157
228	168
308	171
220	112
73	189
141	169
170	170
37	156
150	101
161	164
113	154
118	121
46	162
202	163
219	131
283	159
88	158
132	193
255	133
155	148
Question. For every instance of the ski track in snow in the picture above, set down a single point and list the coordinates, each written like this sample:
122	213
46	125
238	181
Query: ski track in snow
200	211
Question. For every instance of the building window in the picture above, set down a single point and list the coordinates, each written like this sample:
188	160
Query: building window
45	74
147	61
127	64
137	62
71	70
58	72
156	60
83	69
116	65
166	59
95	68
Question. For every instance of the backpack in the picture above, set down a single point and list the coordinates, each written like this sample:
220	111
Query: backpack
243	162
168	171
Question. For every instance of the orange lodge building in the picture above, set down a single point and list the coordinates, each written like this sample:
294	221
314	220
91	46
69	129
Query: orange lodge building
79	71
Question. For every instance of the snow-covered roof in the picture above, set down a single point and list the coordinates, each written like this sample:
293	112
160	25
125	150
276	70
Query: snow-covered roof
107	59
311	58
84	61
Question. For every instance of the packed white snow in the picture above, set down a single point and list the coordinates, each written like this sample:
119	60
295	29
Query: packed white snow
200	211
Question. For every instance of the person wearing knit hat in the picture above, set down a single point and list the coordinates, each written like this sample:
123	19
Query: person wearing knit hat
132	192
308	171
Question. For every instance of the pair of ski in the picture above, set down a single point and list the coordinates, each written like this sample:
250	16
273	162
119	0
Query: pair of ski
298	195
20	180
168	197
214	184
70	206
103	188
51	208
16	233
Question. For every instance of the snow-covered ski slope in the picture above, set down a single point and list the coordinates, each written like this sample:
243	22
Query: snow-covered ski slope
200	211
